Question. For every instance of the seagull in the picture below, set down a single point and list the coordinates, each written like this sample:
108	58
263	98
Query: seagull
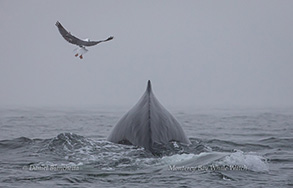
79	42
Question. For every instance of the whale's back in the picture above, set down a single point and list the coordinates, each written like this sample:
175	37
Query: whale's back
147	123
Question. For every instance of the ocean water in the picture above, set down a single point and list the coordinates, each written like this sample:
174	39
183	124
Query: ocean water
67	147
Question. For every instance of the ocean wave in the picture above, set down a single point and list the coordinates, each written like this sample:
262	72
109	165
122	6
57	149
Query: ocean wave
15	143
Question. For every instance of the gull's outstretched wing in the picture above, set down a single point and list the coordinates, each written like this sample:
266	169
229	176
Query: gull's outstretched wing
67	36
92	43
74	40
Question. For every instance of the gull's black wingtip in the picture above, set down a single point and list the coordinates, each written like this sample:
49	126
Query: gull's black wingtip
149	87
57	23
109	38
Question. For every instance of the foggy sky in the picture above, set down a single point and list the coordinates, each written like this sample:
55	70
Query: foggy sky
196	53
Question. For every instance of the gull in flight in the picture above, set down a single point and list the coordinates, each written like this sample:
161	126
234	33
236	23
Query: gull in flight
79	42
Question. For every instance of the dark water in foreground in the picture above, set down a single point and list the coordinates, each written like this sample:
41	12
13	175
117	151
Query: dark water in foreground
50	147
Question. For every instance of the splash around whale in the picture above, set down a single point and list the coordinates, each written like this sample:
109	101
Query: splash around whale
147	124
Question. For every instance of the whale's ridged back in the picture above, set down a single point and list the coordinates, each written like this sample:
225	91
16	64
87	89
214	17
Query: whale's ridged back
148	122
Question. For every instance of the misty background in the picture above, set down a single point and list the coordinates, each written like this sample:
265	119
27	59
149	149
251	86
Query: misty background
196	53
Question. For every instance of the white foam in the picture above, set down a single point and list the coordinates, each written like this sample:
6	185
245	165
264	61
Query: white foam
177	158
250	161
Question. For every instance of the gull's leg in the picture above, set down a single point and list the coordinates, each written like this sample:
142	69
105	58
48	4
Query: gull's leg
76	50
79	51
82	51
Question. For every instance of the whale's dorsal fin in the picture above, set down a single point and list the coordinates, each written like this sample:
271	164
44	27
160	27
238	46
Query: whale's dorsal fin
149	87
147	123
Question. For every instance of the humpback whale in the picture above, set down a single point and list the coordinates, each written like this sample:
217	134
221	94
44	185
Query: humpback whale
147	124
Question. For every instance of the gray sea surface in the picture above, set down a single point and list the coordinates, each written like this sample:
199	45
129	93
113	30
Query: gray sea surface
67	147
